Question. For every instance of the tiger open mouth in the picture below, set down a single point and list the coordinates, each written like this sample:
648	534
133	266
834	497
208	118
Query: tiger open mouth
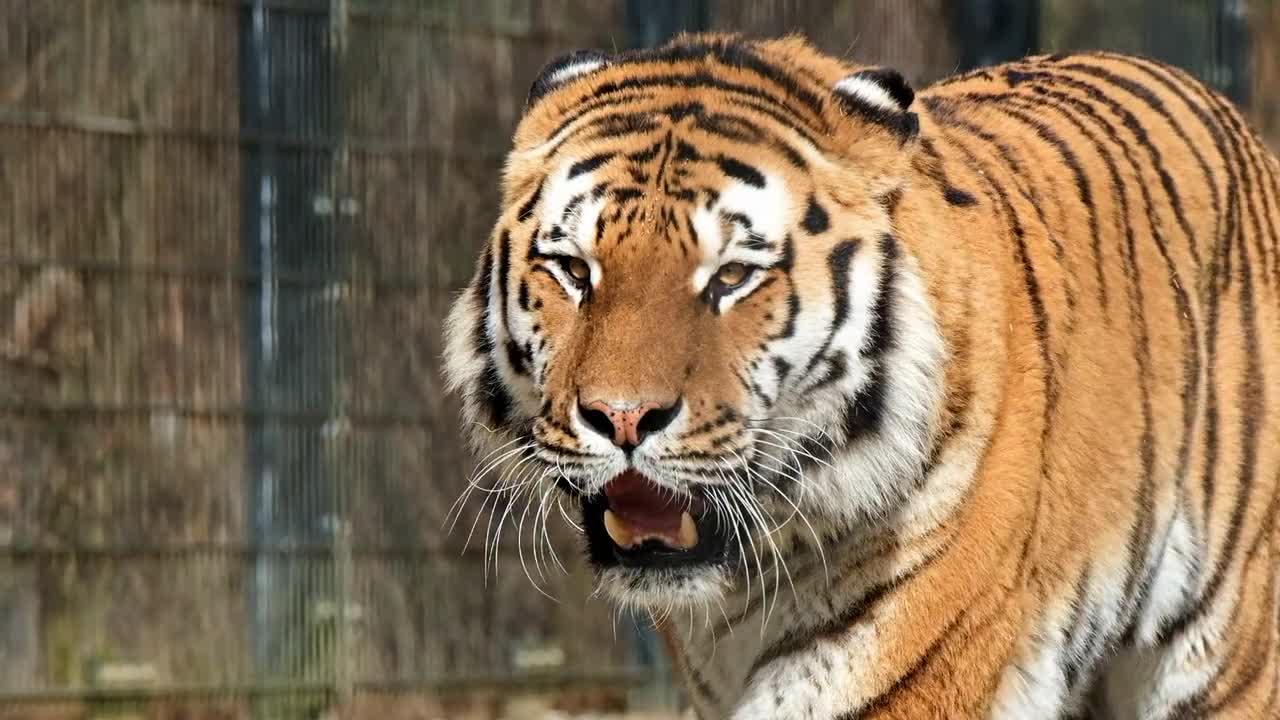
636	523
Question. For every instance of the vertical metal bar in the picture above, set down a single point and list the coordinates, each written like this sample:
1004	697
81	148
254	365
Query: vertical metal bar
1233	49
289	89
652	22
259	322
992	31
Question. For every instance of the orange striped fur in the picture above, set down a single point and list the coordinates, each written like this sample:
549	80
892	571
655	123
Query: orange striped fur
989	427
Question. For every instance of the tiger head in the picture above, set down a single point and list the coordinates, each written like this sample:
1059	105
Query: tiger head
694	315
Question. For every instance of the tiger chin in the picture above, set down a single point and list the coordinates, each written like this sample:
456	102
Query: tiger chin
895	405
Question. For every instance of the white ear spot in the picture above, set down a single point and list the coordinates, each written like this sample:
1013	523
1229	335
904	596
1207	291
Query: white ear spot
882	97
572	71
868	91
566	68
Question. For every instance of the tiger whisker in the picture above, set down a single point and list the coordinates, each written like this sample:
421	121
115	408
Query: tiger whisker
472	484
780	564
520	549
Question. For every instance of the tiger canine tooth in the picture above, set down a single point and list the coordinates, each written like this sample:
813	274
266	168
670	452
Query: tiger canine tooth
618	530
688	538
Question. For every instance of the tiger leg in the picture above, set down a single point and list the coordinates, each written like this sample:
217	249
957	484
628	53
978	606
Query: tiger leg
1224	662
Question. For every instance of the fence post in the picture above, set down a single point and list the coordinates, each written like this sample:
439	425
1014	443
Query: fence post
291	338
1233	48
992	31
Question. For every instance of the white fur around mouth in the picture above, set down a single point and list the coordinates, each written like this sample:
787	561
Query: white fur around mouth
626	536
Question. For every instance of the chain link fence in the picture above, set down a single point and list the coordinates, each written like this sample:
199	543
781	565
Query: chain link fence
229	230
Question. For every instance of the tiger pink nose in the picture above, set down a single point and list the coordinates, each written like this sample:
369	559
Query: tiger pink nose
628	426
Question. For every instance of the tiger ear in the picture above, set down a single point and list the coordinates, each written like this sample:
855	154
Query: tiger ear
563	69
882	97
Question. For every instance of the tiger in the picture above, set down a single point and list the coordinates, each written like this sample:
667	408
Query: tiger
893	405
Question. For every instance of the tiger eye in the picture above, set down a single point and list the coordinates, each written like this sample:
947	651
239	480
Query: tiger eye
579	269
732	274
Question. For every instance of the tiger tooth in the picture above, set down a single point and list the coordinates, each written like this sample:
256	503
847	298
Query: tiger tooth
618	530
688	537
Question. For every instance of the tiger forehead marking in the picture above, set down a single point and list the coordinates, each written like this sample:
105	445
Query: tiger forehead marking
952	406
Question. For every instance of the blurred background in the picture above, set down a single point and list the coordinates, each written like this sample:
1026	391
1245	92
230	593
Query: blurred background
229	230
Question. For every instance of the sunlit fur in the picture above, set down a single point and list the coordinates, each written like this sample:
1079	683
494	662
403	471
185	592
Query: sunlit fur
994	427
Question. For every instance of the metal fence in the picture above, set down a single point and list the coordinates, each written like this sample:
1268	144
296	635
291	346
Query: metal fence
228	232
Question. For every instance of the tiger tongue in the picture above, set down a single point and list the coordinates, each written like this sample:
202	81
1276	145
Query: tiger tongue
639	511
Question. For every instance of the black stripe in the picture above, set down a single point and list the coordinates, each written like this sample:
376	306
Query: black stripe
571	207
664	157
1068	661
793	312
618	118
880	335
960	391
730	127
494	395
699	683
838	266
756	241
611	104
816	220
599	230
504	278
613	126
739	170
588	164
1142	530
647	154
797	161
523	297
686	152
481	340
788	258
864	412
959	198
625	194
1040	317
890	201
882	701
780	368
518	357
526	210
936	171
836	370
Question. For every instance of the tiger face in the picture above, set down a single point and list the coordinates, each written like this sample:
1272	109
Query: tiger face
694	316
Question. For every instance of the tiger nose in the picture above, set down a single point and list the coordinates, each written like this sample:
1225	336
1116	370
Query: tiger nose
628	425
